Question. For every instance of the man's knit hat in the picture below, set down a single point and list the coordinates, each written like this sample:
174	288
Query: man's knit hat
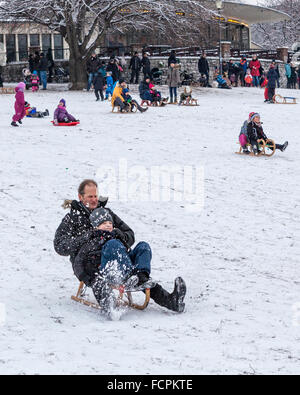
100	215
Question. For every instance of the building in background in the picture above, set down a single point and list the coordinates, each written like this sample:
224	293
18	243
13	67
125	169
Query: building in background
18	39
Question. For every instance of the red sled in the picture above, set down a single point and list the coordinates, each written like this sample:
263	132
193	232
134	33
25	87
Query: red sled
66	124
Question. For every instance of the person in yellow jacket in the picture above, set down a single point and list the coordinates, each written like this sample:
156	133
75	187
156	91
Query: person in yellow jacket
118	98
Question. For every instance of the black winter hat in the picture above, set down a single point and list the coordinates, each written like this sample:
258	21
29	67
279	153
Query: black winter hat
100	215
121	80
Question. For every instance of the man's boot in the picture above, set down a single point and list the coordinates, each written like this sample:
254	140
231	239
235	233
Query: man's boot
173	301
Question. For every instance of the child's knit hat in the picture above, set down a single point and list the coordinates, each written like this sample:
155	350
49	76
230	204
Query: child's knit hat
63	102
254	114
21	85
99	216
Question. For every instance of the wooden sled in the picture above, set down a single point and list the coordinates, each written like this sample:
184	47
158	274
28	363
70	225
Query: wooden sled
278	99
192	103
7	90
121	301
131	109
147	103
267	148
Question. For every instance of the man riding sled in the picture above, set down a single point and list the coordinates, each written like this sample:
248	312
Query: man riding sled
99	245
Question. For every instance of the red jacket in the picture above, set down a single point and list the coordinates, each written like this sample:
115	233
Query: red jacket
255	66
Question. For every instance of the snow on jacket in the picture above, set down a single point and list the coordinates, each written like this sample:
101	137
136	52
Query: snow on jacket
76	230
173	78
20	103
88	259
61	113
254	67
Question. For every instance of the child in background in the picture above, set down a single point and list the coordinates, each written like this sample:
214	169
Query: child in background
98	83
109	85
248	79
31	112
61	114
243	137
19	104
35	81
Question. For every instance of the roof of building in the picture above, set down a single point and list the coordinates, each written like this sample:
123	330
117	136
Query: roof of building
250	14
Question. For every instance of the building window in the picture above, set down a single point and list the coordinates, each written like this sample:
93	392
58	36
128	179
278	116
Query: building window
58	47
23	46
11	47
35	41
46	42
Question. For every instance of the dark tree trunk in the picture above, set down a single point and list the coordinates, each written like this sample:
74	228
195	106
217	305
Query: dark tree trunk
78	74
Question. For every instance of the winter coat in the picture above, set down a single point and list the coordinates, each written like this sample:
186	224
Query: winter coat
19	104
135	63
255	132
203	66
244	65
272	77
254	67
146	65
87	262
113	67
173	77
43	64
61	114
34	80
76	230
93	65
244	129
117	93
144	87
288	70
98	81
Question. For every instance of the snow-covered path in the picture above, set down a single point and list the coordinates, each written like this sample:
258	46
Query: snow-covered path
239	255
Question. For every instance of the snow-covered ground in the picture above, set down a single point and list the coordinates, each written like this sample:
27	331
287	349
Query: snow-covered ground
239	255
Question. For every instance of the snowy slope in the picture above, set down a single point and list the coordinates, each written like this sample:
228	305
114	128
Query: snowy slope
239	255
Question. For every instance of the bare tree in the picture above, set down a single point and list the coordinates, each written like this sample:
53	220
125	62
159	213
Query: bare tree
83	23
282	33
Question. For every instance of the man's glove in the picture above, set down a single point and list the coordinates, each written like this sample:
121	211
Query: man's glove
118	234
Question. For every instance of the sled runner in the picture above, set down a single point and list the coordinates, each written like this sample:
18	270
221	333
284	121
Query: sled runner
147	103
7	90
124	298
192	103
66	124
278	99
131	109
267	148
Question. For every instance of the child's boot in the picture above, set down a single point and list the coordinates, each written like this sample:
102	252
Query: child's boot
14	123
20	122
